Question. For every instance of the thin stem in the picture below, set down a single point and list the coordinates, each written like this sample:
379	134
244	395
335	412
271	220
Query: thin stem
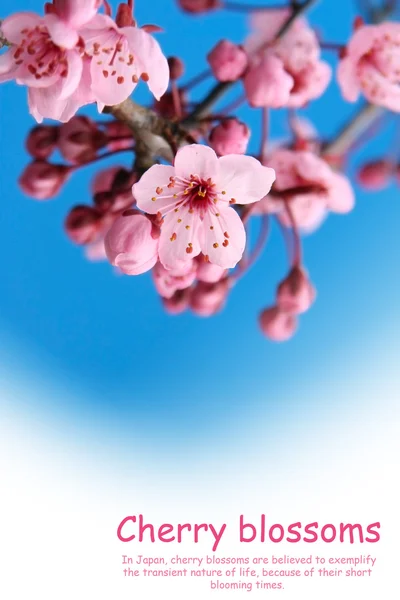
101	157
196	80
264	133
221	88
288	239
176	99
297	258
239	7
246	264
333	46
234	105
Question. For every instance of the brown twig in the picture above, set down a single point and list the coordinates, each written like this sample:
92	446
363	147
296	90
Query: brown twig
156	137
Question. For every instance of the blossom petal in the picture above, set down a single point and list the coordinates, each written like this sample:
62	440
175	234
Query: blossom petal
155	179
71	82
179	241
61	34
50	103
150	58
14	27
8	67
378	89
244	178
197	160
82	96
115	71
76	12
341	197
223	237
267	83
348	81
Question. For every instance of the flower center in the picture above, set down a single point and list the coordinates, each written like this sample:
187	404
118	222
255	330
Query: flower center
40	55
196	192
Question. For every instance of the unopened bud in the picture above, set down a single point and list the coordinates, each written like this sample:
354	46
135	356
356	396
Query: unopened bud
227	61
42	141
230	137
376	174
42	180
277	325
198	6
176	68
130	244
295	294
82	224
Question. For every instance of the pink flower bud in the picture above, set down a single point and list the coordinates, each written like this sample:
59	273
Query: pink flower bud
198	6
130	244
277	325
124	16
119	135
227	61
230	137
42	180
178	303
167	282
112	189
80	139
375	175
176	68
208	272
209	298
42	141
83	224
295	294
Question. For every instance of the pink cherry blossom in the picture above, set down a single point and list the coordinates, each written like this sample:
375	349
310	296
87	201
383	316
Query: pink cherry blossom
46	55
230	137
287	72
195	197
120	57
310	188
227	61
371	65
131	245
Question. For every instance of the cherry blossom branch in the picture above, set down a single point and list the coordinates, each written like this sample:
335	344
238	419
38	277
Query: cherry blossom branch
3	41
352	130
154	135
220	89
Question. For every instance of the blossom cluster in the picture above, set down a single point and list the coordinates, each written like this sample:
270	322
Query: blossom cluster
181	209
73	56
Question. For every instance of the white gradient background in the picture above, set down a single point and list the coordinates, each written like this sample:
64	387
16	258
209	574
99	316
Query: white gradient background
67	482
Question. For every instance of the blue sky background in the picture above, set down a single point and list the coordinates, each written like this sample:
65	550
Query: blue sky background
179	378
